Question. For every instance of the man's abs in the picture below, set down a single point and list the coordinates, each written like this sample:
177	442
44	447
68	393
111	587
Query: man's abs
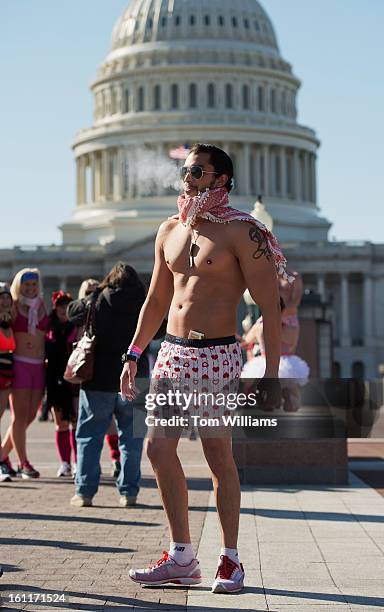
210	313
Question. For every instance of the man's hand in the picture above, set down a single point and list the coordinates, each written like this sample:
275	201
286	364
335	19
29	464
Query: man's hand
127	381
269	394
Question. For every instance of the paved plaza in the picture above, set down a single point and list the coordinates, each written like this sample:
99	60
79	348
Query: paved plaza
303	548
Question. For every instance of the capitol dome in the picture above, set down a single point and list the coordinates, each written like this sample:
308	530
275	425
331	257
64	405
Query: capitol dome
164	20
179	72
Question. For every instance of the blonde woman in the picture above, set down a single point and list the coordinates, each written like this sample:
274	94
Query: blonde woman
29	326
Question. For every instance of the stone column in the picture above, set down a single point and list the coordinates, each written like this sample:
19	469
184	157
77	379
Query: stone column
117	174
256	170
306	177
97	177
345	327
78	175
321	286
296	175
246	187
267	189
283	172
131	174
92	157
105	173
227	147
313	170
368	310
83	181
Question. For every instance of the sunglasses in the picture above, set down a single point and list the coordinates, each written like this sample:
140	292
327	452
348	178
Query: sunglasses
196	172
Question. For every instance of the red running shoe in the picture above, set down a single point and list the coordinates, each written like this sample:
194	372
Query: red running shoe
229	576
167	571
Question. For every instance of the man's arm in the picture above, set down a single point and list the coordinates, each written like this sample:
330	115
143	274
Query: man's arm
159	296
258	268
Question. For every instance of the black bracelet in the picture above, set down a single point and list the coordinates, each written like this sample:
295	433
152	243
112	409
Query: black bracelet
129	357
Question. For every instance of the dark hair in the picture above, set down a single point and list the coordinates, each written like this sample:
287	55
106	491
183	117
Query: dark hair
121	276
219	159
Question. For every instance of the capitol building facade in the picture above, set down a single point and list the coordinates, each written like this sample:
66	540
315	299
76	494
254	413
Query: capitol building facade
185	71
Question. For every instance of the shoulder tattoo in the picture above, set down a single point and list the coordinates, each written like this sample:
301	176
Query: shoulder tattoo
257	236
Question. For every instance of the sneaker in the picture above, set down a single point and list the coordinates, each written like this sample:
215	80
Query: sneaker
229	576
116	468
80	501
4	472
27	471
167	571
9	465
73	469
64	470
128	500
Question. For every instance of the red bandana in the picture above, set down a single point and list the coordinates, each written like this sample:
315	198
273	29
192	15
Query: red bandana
213	205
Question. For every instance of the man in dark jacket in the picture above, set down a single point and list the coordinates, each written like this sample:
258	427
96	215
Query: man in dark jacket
115	304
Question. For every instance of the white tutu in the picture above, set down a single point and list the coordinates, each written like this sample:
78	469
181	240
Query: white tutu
291	366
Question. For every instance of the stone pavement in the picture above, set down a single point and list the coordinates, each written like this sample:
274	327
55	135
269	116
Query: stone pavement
303	548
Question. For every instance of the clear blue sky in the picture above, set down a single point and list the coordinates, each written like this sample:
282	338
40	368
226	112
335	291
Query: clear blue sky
50	52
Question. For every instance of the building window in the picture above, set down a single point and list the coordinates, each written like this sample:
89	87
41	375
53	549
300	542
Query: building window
229	96
257	26
260	98
163	22
157	97
174	96
192	95
273	101
140	99
234	22
192	20
336	370
150	23
245	97
177	20
246	24
207	20
221	20
358	369
126	101
211	95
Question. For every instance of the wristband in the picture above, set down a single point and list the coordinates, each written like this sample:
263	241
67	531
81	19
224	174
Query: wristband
133	349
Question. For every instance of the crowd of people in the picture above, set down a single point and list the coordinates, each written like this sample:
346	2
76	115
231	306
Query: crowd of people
34	349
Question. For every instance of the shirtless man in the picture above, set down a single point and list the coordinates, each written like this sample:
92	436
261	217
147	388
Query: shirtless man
201	271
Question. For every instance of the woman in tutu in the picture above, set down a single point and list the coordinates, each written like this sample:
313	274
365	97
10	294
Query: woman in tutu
293	370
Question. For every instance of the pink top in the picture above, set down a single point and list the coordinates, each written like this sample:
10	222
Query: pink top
20	324
7	344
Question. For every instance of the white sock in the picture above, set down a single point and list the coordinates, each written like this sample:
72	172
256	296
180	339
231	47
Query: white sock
181	552
231	553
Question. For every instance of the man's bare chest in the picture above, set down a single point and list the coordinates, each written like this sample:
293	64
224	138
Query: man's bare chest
204	249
